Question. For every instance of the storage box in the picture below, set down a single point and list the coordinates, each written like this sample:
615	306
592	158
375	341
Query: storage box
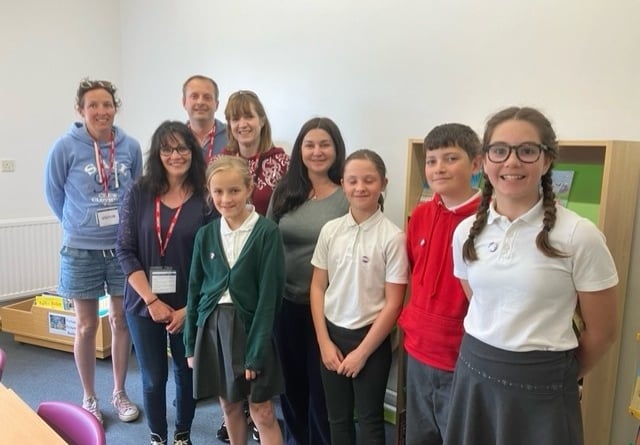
51	328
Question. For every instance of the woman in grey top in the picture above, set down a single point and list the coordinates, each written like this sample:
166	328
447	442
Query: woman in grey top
307	197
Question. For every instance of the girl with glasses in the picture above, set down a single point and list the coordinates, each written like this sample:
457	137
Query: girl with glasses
525	264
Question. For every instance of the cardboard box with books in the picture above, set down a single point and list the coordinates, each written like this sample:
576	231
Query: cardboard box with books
47	320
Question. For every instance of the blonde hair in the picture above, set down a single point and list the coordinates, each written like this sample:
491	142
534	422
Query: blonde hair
230	163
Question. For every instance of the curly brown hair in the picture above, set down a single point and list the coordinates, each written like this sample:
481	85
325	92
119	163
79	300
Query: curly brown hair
87	85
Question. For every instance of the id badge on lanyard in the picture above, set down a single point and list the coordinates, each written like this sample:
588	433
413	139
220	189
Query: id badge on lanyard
163	280
107	216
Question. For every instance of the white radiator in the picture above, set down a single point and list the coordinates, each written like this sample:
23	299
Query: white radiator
29	256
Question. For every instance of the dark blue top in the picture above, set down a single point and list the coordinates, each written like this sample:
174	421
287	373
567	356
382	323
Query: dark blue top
138	248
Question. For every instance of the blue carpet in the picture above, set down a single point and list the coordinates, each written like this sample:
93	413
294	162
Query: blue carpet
37	374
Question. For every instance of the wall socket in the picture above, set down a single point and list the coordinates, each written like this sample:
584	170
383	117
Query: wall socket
7	165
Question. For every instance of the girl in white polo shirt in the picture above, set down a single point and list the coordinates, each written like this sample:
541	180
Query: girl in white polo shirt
358	284
525	263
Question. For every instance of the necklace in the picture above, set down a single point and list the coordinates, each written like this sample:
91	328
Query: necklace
326	191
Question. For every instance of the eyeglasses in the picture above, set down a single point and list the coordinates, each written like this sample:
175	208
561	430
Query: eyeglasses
527	152
168	151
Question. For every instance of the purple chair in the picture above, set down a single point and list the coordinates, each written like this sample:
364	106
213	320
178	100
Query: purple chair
73	423
2	361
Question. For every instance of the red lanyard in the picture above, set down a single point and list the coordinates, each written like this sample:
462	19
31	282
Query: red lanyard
102	173
172	224
212	136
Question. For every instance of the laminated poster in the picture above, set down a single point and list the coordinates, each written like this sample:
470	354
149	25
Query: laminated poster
61	324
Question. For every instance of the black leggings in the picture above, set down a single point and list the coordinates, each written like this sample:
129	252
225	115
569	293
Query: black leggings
365	393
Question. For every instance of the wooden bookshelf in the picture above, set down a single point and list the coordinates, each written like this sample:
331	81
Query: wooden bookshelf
605	189
415	180
616	209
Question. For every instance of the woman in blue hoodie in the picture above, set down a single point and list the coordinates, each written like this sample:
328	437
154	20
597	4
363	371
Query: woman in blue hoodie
88	171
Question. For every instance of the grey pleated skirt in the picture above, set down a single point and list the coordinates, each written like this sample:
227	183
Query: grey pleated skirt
506	398
219	357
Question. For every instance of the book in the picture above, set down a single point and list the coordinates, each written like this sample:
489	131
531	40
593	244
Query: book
562	181
50	300
477	180
427	193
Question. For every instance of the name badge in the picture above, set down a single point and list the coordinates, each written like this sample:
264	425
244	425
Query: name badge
163	280
107	217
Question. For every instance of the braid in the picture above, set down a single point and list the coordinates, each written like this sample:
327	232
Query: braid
469	248
549	218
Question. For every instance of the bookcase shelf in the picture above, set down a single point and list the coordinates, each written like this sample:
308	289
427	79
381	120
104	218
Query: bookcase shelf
605	190
634	405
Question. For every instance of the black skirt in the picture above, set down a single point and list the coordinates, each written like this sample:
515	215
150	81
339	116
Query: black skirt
219	357
505	398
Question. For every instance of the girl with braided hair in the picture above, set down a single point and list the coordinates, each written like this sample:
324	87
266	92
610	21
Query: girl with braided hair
525	264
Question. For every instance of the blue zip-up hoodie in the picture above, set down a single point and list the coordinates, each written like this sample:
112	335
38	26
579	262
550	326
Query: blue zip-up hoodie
73	188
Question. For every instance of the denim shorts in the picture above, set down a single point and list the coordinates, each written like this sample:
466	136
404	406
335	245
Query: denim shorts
83	273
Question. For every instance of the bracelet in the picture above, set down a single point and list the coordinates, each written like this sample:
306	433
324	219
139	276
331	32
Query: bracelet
151	302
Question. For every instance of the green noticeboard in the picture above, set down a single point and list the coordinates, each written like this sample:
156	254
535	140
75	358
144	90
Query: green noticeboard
584	195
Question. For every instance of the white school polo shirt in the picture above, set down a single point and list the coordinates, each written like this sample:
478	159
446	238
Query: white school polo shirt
359	259
523	300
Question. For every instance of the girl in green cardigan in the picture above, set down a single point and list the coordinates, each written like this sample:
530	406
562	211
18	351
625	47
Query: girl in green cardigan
235	286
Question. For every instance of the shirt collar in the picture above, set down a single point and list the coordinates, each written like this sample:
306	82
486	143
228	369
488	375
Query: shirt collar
366	224
453	209
246	226
533	216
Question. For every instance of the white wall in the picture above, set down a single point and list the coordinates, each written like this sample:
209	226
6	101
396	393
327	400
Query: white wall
384	70
389	70
46	47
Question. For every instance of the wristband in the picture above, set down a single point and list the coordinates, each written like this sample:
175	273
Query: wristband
151	302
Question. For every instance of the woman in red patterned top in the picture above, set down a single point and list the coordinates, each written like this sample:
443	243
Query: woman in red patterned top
250	138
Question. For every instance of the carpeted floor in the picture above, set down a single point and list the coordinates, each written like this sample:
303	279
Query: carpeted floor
37	374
